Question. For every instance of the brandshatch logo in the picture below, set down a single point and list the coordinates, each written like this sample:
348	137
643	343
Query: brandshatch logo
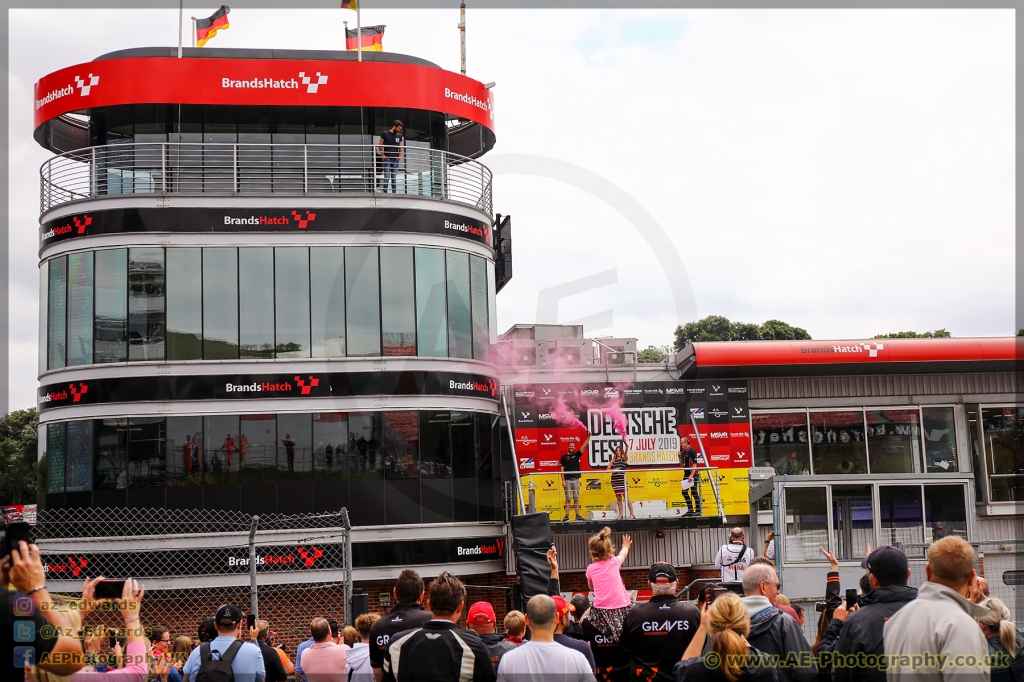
85	87
71	565
309	558
311	87
77	225
78	391
303	222
306	385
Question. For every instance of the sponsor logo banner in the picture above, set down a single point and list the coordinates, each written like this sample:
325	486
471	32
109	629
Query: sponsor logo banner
299	219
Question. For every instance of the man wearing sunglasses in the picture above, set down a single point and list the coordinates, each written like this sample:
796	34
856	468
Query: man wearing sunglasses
775	632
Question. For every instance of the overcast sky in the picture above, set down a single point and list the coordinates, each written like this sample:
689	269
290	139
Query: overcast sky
847	171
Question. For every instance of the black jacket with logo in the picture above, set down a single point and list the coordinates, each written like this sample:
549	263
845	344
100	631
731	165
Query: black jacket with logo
863	630
440	650
775	632
610	659
402	617
656	634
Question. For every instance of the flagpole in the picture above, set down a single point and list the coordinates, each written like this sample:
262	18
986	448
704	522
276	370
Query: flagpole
181	11
462	34
359	30
345	44
193	31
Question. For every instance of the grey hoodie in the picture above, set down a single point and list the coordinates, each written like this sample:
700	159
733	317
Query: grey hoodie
942	624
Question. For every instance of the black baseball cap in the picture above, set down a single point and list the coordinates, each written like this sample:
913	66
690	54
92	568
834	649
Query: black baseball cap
228	615
887	563
208	630
663	573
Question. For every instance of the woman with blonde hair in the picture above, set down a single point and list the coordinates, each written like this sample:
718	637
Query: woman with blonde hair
1003	639
618	466
611	600
731	658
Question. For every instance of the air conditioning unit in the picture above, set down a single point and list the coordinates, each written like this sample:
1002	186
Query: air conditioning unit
618	351
574	352
529	353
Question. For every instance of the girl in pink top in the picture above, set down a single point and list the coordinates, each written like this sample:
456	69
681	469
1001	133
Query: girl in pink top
610	599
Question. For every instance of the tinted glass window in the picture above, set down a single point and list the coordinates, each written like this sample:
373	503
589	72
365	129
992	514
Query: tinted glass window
460	332
220	449
79	309
362	300
327	301
1003	434
295	447
945	512
79	455
939	439
464	457
57	317
431	318
111	306
111	454
806	524
364	445
146	455
397	301
184	446
291	283
257	448
838	442
56	447
478	296
401	444
220	303
44	309
894	441
184	304
256	302
900	514
486	466
492	315
852	520
146	304
435	445
330	446
781	442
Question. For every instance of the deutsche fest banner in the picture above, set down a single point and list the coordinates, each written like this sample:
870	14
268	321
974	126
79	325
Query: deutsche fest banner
650	419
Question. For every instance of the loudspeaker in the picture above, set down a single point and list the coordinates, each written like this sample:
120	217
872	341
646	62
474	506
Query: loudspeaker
531	534
360	605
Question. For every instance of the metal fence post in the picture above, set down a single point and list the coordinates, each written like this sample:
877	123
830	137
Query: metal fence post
93	189
234	165
347	561
305	169
253	597
163	167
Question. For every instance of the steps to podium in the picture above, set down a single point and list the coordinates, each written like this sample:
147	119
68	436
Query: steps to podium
646	509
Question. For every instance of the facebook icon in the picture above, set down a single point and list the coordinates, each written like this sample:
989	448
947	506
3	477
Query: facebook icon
24	656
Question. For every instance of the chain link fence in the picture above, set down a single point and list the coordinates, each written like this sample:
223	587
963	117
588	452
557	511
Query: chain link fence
286	569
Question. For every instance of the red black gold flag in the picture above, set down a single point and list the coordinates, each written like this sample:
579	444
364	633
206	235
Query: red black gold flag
207	28
348	4
371	39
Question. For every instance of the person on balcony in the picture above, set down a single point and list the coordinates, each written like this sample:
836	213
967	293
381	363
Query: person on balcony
391	146
691	461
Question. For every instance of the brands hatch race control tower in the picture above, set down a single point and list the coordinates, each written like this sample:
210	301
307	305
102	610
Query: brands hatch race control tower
237	313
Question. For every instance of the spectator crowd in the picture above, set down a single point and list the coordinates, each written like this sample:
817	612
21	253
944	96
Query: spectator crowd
743	628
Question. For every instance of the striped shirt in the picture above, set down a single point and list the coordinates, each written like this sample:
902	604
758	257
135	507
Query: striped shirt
439	650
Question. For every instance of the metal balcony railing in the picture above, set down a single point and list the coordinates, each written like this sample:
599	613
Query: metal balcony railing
236	169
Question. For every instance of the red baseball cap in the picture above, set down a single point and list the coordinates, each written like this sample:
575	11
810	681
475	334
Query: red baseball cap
562	606
481	612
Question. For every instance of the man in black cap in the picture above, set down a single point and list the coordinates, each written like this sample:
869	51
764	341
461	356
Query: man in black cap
657	633
862	630
391	145
245	657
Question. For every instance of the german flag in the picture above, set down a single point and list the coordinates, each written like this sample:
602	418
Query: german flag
371	39
208	27
348	4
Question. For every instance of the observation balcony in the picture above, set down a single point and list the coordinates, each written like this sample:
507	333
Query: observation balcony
239	169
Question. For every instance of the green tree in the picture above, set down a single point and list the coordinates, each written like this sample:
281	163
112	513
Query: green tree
653	354
18	454
718	328
777	330
1020	332
937	334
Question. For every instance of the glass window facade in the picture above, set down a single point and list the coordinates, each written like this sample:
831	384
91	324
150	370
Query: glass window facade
217	303
256	302
939	439
780	441
894	441
80	315
318	462
1003	443
44	302
146	309
111	323
838	442
806	523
